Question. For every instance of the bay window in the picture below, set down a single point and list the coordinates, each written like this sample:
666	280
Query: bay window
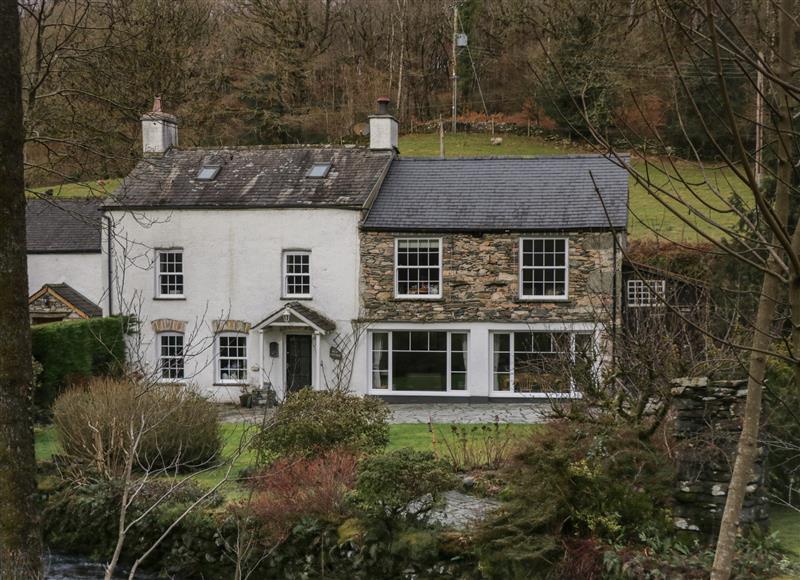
540	362
434	361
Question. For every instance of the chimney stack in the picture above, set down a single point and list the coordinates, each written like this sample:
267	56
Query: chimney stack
159	130
383	128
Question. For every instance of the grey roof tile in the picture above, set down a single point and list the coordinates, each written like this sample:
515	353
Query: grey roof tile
63	225
501	193
253	177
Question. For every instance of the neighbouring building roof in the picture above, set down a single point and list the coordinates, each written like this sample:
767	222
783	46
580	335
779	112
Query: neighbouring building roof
63	225
253	177
501	193
67	296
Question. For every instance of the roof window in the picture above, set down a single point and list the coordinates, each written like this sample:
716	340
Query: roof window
319	170
208	172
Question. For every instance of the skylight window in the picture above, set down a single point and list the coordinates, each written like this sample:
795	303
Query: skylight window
319	170
208	172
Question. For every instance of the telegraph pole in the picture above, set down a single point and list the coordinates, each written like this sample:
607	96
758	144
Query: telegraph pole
455	65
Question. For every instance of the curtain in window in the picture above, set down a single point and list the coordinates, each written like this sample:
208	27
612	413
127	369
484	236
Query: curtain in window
380	360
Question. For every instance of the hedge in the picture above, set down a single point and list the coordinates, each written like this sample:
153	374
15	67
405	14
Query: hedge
74	350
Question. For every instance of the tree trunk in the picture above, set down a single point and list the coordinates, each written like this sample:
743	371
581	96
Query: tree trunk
762	338
20	545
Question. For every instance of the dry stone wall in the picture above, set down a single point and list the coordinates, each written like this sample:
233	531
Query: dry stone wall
708	421
481	280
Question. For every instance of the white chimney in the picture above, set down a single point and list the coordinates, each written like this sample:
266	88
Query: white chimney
159	130
383	128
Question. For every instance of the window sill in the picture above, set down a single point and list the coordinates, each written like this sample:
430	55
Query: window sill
400	298
544	299
230	384
298	297
176	382
170	297
540	395
390	392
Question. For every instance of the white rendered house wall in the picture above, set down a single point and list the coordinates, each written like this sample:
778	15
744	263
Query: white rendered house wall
232	268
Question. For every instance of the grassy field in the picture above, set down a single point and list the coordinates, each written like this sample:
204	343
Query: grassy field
87	189
648	217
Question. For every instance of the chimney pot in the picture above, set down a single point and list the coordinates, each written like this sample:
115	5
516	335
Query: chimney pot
383	105
156	104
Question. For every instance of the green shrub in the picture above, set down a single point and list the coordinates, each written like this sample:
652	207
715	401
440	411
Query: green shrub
75	350
388	483
97	424
311	423
575	481
83	519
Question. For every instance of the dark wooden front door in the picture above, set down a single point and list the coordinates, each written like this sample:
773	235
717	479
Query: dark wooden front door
298	361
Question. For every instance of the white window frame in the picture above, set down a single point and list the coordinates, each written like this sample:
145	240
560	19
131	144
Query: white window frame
653	290
159	273
397	267
218	359
390	368
159	357
285	274
512	392
522	268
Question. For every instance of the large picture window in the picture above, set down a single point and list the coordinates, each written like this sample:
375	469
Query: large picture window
231	358
418	268
540	362
170	356
544	268
169	273
297	274
433	361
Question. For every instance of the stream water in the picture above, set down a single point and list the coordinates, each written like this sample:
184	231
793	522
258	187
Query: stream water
64	567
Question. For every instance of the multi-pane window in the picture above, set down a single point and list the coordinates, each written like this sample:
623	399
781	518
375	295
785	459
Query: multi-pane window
418	271
296	274
169	273
232	358
419	361
544	270
170	356
646	292
540	362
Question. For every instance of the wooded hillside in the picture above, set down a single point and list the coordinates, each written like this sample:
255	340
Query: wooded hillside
275	71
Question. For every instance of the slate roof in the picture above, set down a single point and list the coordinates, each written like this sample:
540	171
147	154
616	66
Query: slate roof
253	177
63	225
306	312
71	297
501	193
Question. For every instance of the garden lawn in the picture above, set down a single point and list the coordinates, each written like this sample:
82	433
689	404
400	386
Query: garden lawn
236	435
786	523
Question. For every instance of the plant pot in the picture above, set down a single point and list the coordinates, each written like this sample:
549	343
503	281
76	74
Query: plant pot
246	400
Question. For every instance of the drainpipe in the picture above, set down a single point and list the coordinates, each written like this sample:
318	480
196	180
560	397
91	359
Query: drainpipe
110	276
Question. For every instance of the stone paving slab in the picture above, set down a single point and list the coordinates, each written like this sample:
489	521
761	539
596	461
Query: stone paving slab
524	413
461	511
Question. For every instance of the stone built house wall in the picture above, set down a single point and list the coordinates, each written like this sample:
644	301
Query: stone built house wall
480	280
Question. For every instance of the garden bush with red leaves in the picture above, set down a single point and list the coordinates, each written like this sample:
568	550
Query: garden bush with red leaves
291	489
